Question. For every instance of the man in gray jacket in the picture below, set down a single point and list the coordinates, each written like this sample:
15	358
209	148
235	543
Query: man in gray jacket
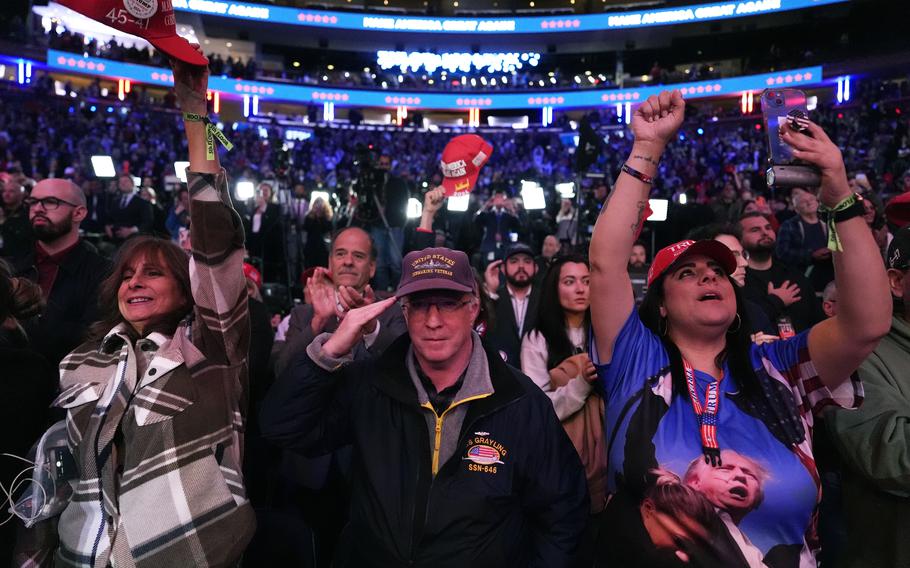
344	286
313	491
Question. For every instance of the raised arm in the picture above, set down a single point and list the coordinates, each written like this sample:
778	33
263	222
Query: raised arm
424	237
190	86
222	330
308	408
838	345
654	123
432	203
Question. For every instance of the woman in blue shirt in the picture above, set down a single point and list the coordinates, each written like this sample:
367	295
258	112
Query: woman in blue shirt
709	436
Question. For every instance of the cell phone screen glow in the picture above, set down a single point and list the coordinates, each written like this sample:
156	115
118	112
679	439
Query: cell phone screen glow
776	104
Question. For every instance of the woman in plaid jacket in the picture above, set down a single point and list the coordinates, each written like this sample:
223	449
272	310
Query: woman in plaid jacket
155	404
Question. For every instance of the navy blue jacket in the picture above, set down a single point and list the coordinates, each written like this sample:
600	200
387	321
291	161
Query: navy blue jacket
530	510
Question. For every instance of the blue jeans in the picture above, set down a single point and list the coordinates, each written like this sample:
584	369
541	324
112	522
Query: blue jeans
388	256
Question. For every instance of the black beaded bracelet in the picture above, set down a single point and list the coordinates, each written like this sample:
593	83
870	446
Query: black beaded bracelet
854	210
637	174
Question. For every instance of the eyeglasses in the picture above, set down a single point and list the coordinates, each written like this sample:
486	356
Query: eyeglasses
49	203
422	307
745	254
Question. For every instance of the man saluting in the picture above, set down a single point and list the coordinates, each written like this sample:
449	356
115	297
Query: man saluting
458	459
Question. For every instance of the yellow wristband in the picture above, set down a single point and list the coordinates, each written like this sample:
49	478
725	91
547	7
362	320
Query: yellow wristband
211	133
834	242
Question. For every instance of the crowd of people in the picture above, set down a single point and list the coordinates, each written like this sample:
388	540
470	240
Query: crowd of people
361	72
74	42
367	74
491	386
713	171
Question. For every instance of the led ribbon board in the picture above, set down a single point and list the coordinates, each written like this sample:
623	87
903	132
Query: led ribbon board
587	98
521	25
455	62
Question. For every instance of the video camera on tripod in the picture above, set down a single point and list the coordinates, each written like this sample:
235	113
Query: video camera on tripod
368	187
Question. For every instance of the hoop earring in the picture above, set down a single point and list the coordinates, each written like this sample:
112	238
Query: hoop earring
739	324
662	330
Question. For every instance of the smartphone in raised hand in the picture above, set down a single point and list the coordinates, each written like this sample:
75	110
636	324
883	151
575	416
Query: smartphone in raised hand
779	108
786	108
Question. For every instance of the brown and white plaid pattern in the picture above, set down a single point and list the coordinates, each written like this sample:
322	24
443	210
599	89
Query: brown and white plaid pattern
160	453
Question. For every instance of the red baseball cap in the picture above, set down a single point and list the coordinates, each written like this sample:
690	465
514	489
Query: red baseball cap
249	271
461	162
152	20
897	211
668	256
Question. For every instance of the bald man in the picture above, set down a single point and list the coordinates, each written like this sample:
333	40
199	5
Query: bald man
68	268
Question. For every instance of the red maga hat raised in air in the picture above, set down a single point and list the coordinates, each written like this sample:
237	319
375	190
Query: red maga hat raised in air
152	20
461	162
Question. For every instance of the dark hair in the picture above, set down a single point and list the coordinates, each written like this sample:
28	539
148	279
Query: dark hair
487	312
268	185
736	353
669	495
750	214
738	228
711	232
551	317
176	262
343	230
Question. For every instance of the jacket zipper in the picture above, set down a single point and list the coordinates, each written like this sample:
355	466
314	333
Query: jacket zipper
465	428
437	442
440	418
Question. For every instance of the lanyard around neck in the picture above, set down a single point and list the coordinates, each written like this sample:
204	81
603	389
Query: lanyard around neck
706	415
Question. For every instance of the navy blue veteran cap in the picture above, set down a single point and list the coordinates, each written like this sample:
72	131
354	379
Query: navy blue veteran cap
899	250
436	268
